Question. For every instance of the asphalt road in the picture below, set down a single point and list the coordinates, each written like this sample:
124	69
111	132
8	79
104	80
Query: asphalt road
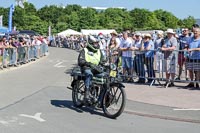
34	98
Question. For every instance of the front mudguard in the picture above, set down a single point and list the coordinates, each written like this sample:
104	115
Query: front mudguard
117	84
73	83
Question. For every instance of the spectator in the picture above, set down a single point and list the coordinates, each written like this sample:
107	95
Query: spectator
139	57
184	42
102	44
193	62
149	57
14	55
1	51
159	54
127	61
193	27
113	49
36	43
5	52
115	35
168	48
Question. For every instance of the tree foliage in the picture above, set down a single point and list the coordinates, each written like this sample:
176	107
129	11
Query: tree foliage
77	18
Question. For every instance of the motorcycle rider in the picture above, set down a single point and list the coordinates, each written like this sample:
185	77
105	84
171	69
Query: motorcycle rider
89	58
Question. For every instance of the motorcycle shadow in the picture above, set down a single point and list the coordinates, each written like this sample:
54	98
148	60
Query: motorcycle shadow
69	104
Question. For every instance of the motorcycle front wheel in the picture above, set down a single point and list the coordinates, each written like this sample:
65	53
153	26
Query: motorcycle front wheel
78	91
114	101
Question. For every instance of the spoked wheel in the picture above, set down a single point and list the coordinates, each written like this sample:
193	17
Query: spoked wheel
78	93
114	101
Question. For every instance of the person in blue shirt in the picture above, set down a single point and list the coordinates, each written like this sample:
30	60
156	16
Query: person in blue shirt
149	56
193	61
184	42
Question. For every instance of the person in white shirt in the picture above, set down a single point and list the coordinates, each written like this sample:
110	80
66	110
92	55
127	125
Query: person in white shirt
127	61
36	43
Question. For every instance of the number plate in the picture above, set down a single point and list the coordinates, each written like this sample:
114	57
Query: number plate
113	73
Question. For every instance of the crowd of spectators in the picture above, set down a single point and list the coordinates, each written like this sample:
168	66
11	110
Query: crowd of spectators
142	55
16	50
137	54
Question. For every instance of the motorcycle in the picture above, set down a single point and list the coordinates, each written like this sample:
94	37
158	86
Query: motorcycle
107	91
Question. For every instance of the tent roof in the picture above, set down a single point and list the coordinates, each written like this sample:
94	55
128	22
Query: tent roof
3	30
69	32
96	32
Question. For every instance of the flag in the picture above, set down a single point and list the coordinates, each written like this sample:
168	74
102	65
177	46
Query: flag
21	4
12	8
1	20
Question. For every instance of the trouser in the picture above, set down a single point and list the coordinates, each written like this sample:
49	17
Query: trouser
139	64
13	59
149	61
88	78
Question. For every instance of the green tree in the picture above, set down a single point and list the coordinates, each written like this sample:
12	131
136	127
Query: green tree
73	21
88	19
188	22
4	12
72	8
114	18
144	19
77	18
167	19
60	26
50	14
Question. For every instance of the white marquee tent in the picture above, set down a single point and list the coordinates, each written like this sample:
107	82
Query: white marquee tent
96	32
69	32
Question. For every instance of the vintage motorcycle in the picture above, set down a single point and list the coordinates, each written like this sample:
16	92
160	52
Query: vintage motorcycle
107	91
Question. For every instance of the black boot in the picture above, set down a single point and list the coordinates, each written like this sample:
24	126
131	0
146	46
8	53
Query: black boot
86	96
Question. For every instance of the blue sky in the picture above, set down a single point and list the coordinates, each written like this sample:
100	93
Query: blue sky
180	9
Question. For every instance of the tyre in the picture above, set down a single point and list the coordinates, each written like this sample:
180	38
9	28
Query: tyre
78	91
114	101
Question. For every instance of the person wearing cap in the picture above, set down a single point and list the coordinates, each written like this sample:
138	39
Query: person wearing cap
139	57
169	48
114	34
184	40
159	54
149	56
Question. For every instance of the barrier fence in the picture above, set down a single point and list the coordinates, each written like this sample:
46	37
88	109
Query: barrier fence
13	56
170	66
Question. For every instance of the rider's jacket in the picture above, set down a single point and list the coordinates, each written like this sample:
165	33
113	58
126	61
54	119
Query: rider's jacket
89	55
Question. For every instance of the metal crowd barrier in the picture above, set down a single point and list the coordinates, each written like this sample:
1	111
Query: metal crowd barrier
1	58
154	68
23	54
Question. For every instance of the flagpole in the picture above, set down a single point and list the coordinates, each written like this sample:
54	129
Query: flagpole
10	18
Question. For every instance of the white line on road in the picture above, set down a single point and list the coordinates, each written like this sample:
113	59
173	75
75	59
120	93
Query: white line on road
186	109
58	65
4	122
36	117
